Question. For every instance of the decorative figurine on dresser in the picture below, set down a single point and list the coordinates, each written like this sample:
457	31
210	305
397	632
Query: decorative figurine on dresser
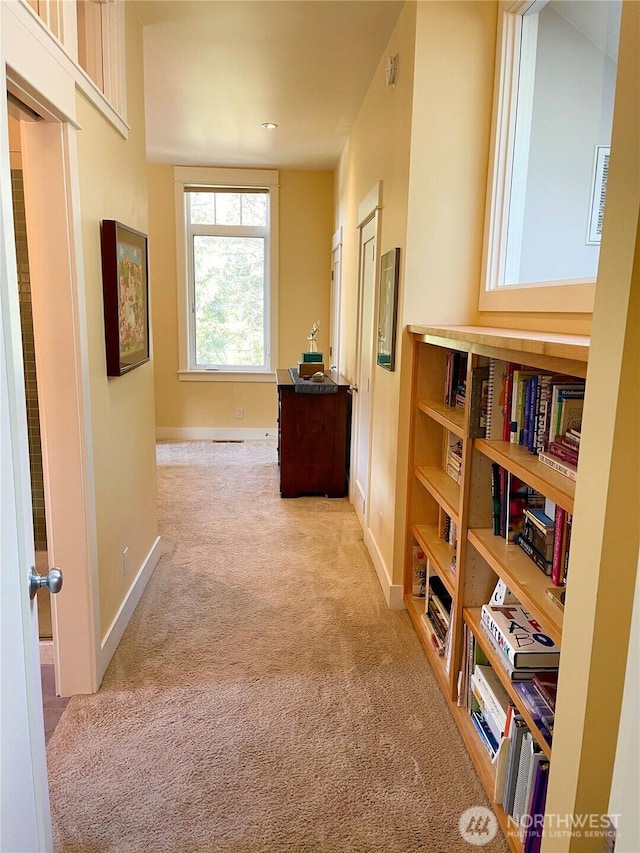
314	427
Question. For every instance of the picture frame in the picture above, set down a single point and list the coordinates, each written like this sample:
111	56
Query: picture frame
125	290
388	309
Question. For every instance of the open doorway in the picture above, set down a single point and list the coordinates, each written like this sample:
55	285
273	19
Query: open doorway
53	705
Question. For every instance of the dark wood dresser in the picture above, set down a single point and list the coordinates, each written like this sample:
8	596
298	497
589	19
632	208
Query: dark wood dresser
314	437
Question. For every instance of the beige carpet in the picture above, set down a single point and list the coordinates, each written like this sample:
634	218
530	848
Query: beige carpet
263	697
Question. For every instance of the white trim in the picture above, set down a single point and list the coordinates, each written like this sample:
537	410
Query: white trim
215	433
221	177
336	239
115	631
225	376
370	203
214	176
56	75
393	592
504	191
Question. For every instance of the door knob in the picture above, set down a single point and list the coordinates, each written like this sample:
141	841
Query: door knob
52	580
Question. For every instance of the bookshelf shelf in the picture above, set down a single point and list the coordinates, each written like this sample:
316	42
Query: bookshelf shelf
441	352
440	486
447	416
472	618
525	465
439	553
522	576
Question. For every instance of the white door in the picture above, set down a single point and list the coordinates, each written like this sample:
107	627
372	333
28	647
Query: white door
364	373
25	820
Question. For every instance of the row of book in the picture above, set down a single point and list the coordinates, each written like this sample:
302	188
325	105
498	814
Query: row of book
521	767
540	411
453	465
455	384
541	528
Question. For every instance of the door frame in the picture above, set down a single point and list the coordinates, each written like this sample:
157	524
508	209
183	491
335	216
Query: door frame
369	208
334	307
52	201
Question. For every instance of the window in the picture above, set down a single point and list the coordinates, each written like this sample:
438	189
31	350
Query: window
555	92
101	47
227	261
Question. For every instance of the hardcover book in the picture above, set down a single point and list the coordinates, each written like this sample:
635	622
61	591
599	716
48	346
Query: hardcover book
520	637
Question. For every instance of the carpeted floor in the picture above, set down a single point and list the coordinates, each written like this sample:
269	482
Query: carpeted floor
263	697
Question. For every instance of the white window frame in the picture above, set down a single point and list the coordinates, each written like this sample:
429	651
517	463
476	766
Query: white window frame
185	176
576	295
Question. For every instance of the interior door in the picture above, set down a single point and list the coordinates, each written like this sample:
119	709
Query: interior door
25	820
364	373
334	337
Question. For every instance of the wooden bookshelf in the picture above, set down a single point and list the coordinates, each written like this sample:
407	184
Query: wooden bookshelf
481	557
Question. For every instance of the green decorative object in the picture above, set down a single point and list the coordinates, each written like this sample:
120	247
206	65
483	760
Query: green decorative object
312	357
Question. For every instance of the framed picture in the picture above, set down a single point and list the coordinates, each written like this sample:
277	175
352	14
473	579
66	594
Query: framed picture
388	309
125	288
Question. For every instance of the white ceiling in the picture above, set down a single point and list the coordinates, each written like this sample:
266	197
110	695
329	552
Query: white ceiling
216	69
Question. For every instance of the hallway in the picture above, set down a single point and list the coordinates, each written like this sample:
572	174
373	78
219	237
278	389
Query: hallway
263	697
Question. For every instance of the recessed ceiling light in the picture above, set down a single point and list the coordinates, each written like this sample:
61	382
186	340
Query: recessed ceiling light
269	125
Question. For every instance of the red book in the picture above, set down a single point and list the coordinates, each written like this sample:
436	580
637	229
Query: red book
547	684
557	564
561	452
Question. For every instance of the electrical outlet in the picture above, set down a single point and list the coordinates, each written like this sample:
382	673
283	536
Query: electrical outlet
125	561
239	413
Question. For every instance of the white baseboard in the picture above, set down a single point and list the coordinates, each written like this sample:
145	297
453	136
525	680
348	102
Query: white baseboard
116	629
393	592
215	433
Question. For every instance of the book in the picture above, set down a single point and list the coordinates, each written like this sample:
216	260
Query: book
495	498
542	542
547	684
517	404
533	835
557	565
559	465
559	393
502	594
495	697
501	760
520	496
538	709
485	733
511	672
525	820
419	572
557	594
520	636
496	399
539	517
566	454
522	777
479	402
529	549
569	414
518	731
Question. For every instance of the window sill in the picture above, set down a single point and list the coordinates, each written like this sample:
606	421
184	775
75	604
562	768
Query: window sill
563	298
222	376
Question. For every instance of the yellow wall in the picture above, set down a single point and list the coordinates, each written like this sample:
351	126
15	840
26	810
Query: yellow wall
305	228
112	173
378	150
606	526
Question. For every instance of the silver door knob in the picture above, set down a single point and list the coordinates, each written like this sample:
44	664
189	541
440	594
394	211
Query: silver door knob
52	580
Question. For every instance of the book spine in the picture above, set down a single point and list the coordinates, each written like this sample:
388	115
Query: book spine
557	566
495	497
567	548
508	388
497	634
566	454
491	387
531	552
559	465
533	412
542	542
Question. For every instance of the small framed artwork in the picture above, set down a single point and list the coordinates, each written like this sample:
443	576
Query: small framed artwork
388	309
125	288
